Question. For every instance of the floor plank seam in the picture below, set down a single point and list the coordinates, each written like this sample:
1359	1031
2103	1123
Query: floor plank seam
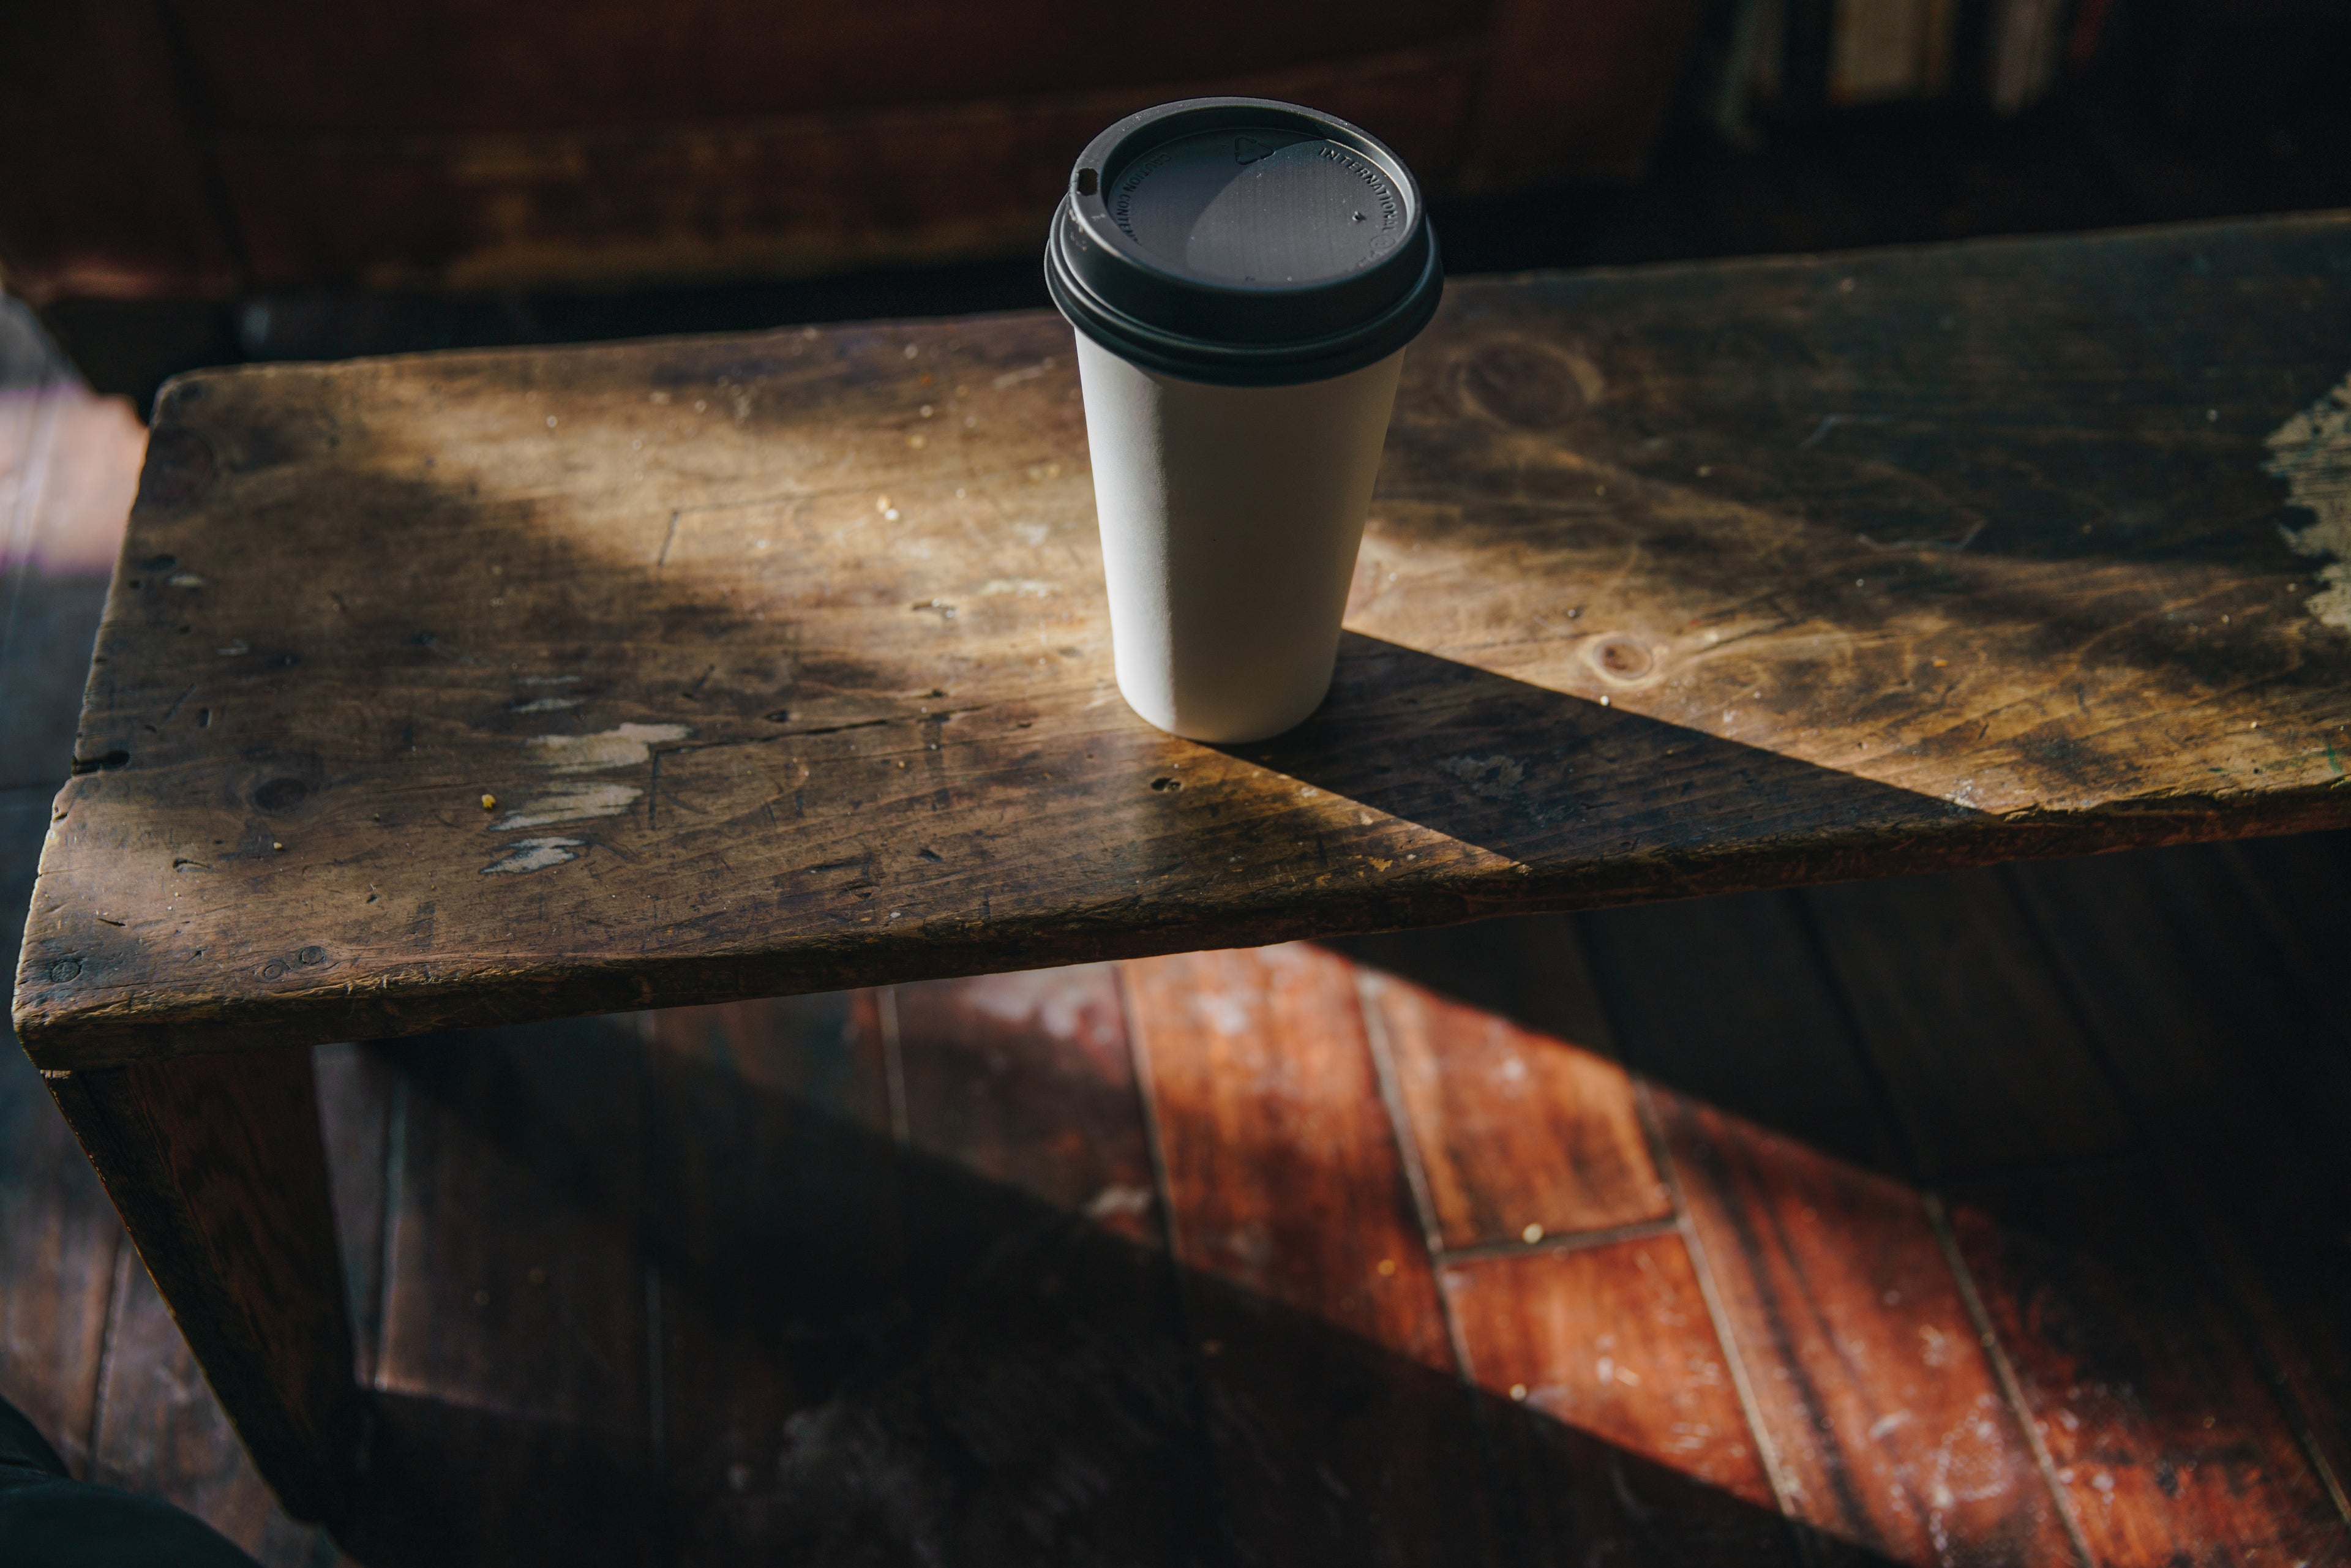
395	1180
104	1357
2239	1294
893	1063
1195	1389
1415	1172
117	1291
1767	1454
1908	1150
1807	1545
1139	1052
2004	1372
2146	1134
1423	1203
1890	1115
1560	1241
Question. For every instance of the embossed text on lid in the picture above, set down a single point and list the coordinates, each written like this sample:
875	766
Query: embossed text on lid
1260	205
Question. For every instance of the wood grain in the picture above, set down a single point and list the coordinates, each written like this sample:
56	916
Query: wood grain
1519	1136
1889	1429
161	1433
1986	1065
216	1168
358	1087
515	1357
944	1346
1027	1080
1622	1427
2211	992
780	1257
2090	1275
740	745
1282	1169
1726	1000
1339	1427
1886	1416
89	99
1037	1254
453	147
2163	1426
58	1239
1529	968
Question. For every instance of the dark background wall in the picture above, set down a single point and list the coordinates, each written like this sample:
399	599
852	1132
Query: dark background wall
201	182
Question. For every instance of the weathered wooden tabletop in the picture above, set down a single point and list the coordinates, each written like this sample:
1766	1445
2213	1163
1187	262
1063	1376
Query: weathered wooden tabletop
480	686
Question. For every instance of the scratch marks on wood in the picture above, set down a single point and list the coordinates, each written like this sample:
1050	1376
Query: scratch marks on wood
537	855
2312	453
1026	374
1954	545
1832	421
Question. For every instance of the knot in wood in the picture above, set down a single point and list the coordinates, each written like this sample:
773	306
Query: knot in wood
1525	385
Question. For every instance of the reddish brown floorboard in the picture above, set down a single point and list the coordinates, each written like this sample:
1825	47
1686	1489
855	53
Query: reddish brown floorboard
1885	1414
1340	1427
1616	1411
1518	1135
1039	1268
159	1430
2178	960
1028	1080
780	1267
905	1258
2164	1423
59	1241
513	1360
2158	1412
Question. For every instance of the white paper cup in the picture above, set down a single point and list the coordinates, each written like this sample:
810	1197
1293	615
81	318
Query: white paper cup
1243	276
1230	520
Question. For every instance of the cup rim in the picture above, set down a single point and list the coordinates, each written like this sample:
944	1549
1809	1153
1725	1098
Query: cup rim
1111	288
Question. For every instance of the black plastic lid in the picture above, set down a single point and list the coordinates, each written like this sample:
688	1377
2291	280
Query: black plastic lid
1244	241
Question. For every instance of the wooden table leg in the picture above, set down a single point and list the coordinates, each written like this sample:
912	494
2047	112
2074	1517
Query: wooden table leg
219	1170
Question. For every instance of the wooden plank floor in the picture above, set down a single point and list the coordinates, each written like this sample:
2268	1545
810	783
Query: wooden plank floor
1978	1220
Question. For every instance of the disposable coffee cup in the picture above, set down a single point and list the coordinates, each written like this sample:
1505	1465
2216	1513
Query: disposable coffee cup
1243	275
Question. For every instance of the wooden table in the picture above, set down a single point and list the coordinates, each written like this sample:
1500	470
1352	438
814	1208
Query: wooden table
480	688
